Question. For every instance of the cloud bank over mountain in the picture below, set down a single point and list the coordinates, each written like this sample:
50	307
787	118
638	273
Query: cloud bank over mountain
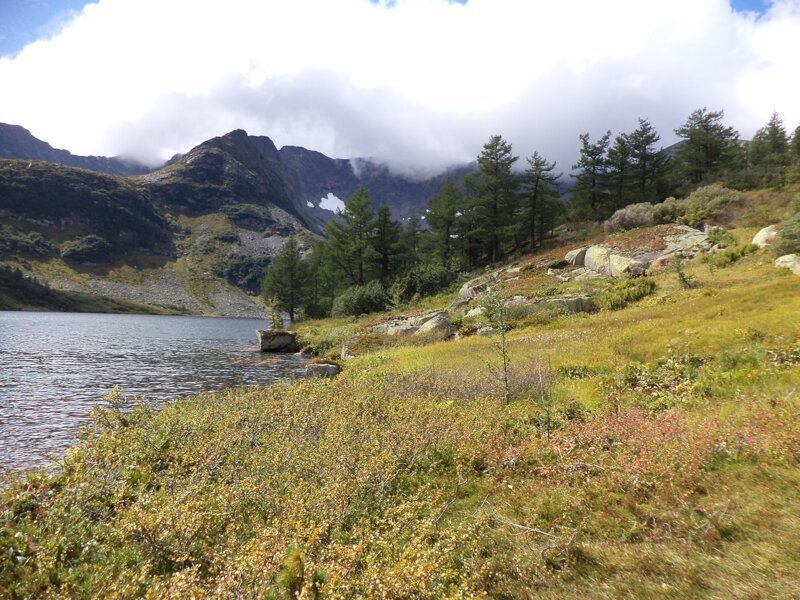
420	84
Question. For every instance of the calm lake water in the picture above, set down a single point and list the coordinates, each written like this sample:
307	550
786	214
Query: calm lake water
55	366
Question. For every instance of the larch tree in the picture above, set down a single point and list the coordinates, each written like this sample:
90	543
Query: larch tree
442	215
539	195
283	285
386	242
648	163
591	182
710	147
495	194
350	238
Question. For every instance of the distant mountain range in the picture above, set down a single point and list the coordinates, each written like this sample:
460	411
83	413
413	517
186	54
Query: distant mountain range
195	234
238	167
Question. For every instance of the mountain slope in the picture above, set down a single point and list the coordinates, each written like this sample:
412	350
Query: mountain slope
18	142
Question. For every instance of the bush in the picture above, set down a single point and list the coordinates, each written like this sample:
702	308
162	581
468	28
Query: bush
243	271
721	237
707	203
423	280
630	217
729	256
669	211
788	239
360	300
88	248
15	243
624	292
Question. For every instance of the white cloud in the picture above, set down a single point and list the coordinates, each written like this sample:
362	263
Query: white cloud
420	84
331	203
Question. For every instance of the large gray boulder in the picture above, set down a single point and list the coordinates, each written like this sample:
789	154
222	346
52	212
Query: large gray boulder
596	259
277	340
624	266
765	237
438	324
577	256
322	370
789	261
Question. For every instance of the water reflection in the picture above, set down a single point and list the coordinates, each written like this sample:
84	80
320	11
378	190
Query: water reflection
55	366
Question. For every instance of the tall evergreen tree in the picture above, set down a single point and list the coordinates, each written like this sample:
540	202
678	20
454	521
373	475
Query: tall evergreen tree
648	163
495	194
794	146
410	236
620	172
350	238
539	196
591	185
768	152
284	283
386	242
443	210
710	148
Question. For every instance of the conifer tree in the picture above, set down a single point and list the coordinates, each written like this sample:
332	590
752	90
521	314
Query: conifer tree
539	197
410	242
443	211
648	164
386	242
710	148
495	194
768	152
620	175
284	283
794	146
591	182
350	238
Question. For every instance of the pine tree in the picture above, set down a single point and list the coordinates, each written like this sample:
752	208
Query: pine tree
442	215
648	163
590	189
539	197
283	285
710	148
350	238
386	242
768	152
620	172
495	194
794	146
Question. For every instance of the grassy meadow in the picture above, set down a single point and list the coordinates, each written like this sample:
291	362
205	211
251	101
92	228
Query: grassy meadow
648	451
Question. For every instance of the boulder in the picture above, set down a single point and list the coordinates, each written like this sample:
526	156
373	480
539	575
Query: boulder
277	340
686	238
789	261
322	370
475	312
596	259
569	304
487	331
765	237
624	266
576	257
438	324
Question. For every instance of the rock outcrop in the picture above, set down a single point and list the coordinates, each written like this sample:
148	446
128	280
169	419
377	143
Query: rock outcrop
326	370
765	237
789	261
277	340
609	260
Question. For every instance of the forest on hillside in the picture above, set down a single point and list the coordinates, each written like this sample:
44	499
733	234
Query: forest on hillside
369	261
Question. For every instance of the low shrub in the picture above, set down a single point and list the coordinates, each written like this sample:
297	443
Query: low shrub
726	258
721	237
15	243
87	248
360	300
707	203
630	217
423	280
788	239
624	292
243	271
669	211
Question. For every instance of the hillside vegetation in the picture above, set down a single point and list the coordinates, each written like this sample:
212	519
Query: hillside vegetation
648	449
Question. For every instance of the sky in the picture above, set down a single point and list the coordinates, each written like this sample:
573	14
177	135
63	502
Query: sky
418	84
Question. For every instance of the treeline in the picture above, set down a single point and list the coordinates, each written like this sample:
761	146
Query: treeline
369	261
